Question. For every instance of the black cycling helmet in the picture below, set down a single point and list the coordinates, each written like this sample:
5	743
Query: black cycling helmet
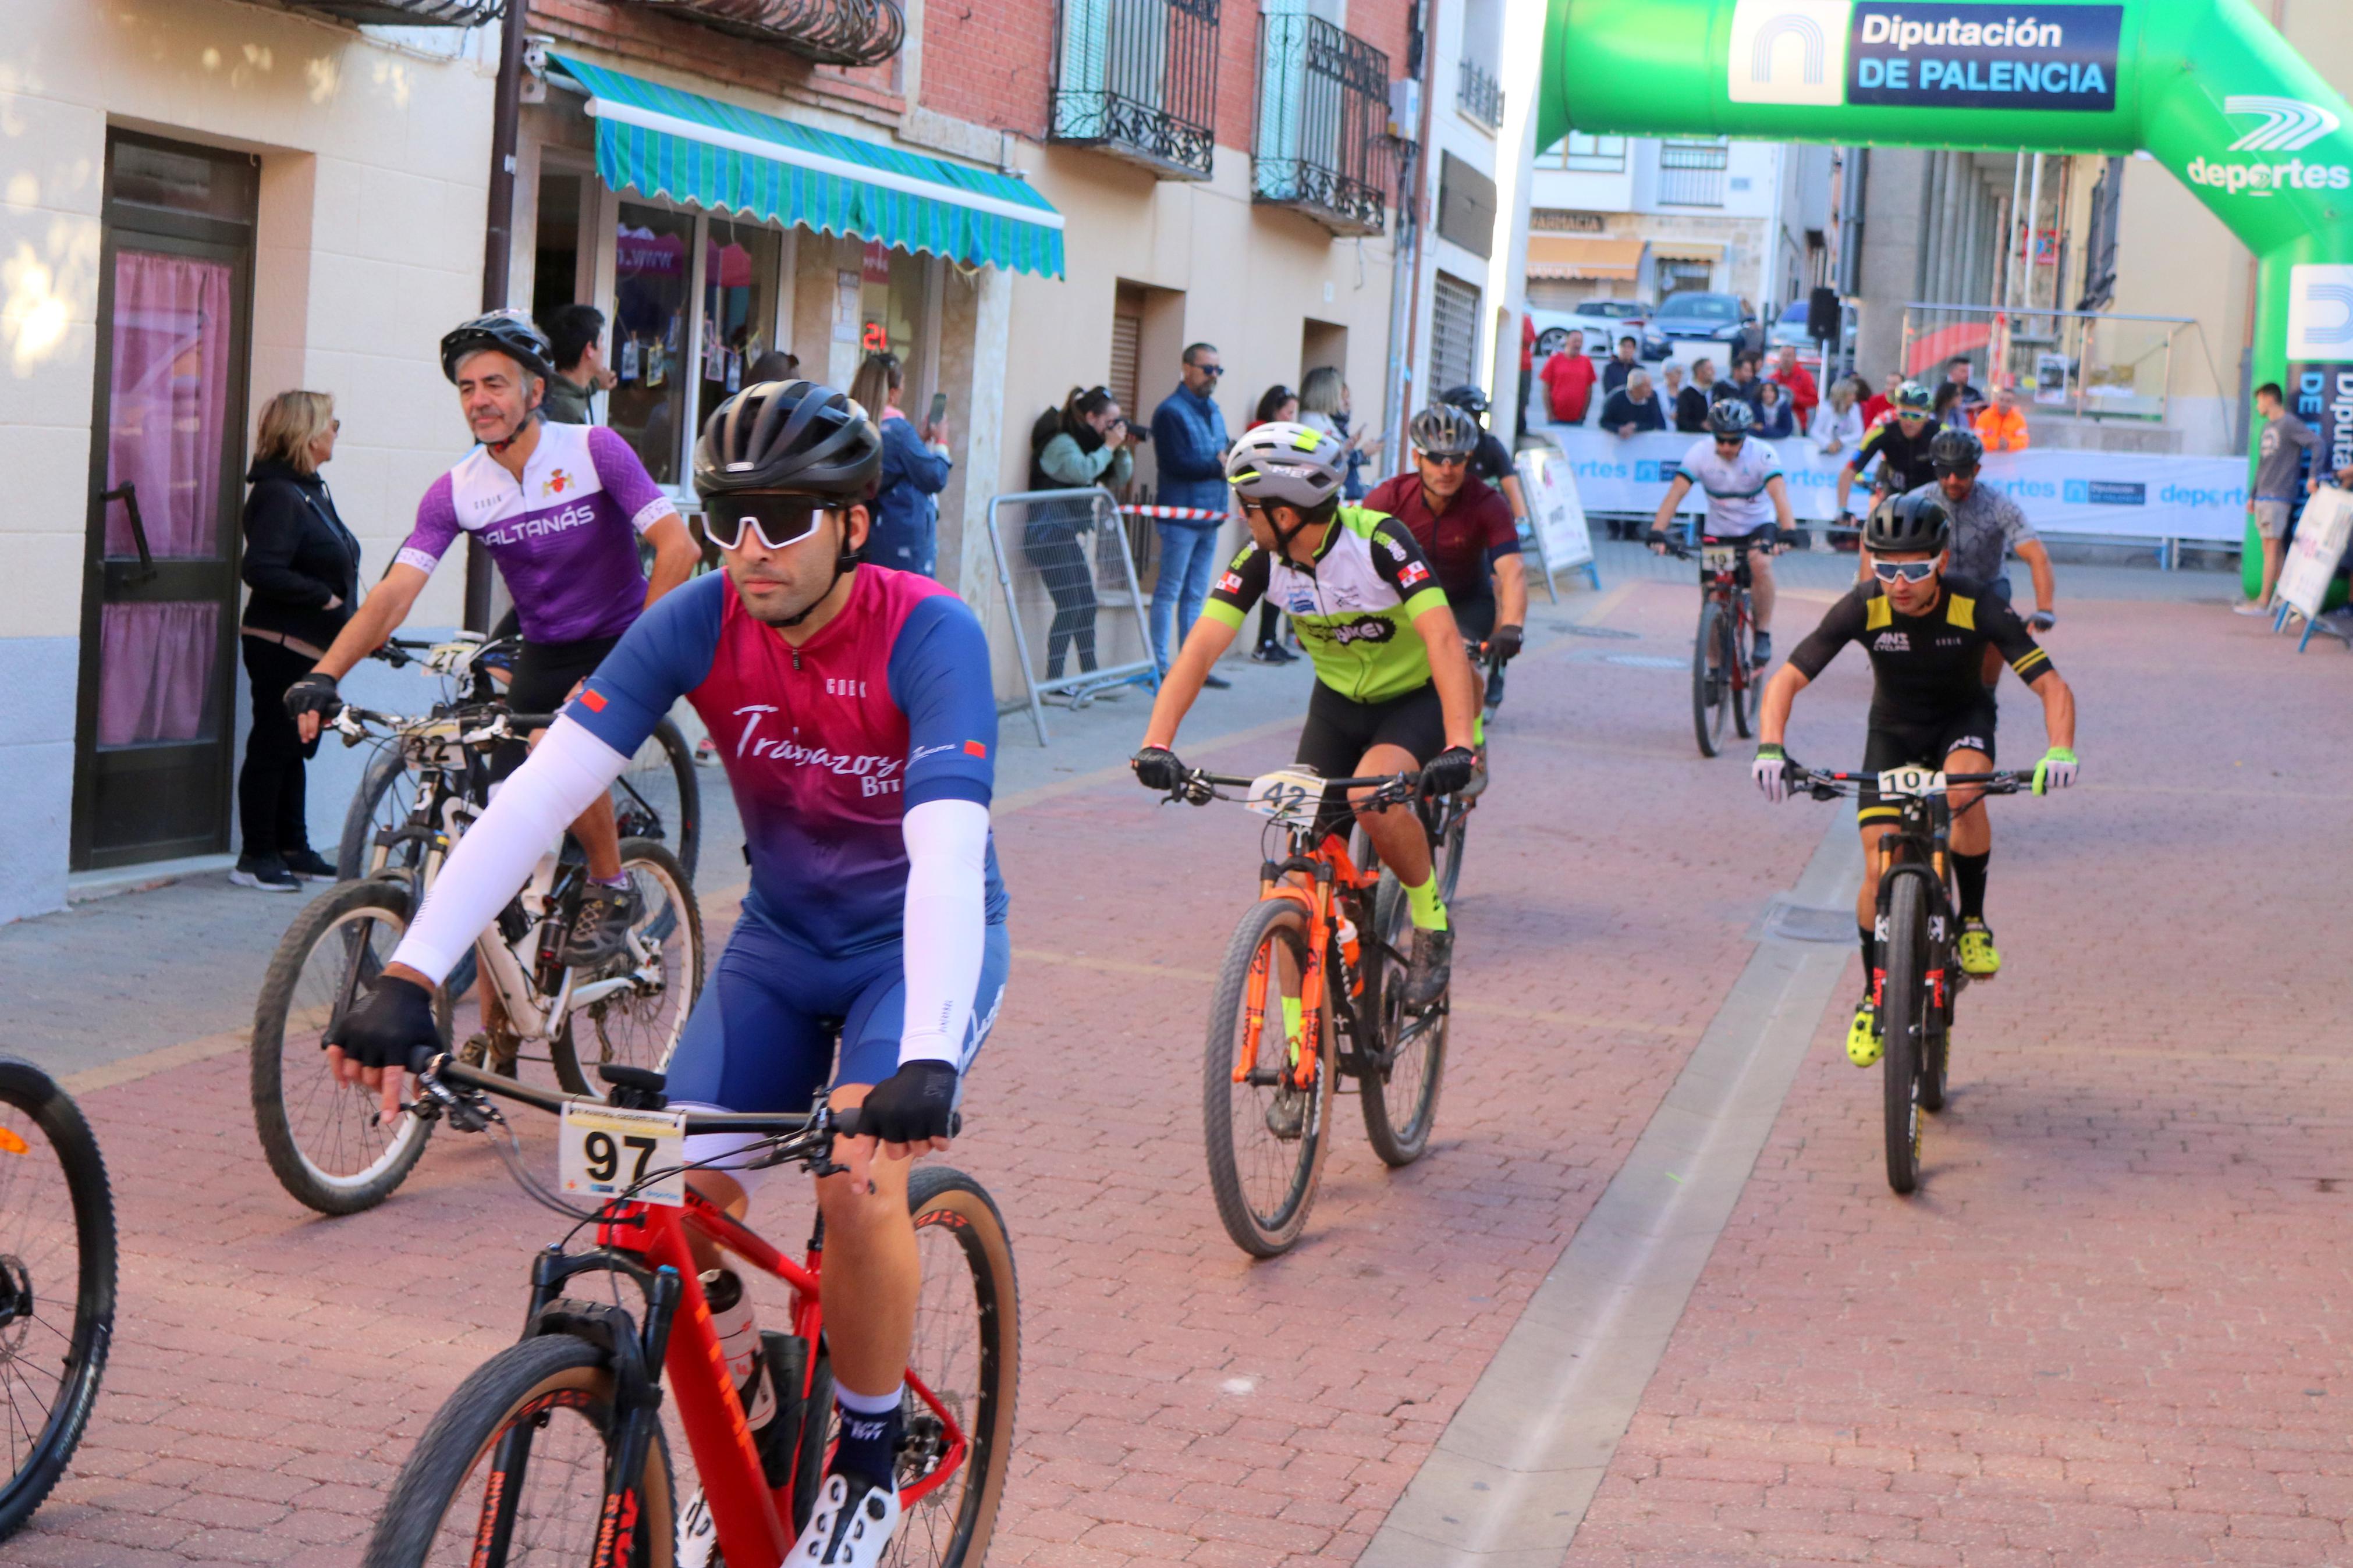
1444	431
1470	399
1913	524
1730	416
1956	450
789	437
510	332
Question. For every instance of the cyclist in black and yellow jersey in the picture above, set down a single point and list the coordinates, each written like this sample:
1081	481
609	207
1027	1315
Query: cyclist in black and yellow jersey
1926	633
1394	689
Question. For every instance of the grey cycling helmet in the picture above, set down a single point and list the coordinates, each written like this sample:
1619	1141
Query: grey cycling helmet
790	438
510	332
1913	524
1293	465
1470	399
1445	430
1956	450
1730	416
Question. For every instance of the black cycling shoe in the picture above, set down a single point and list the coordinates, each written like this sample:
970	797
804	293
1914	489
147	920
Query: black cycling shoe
600	930
1432	967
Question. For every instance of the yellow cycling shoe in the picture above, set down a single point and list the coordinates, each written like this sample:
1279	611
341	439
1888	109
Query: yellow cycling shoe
1980	957
1863	1042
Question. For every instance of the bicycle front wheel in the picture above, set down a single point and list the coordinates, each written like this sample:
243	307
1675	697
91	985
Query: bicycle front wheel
658	795
387	794
1743	683
1265	1134
321	1136
1399	1099
1711	680
1902	1015
640	1026
518	1457
57	1284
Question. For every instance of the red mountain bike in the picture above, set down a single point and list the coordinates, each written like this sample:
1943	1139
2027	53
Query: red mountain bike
1726	681
554	1451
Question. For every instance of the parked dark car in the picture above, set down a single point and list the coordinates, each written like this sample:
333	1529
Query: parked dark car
1719	316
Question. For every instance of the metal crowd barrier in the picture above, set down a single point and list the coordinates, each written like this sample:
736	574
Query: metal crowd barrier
1079	565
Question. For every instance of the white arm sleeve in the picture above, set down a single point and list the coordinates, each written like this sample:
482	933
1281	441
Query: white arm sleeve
946	925
568	769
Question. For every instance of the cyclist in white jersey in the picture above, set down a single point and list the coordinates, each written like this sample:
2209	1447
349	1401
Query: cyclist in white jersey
1741	476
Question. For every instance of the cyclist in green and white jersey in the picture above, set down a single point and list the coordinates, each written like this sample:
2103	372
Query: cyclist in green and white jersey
1394	689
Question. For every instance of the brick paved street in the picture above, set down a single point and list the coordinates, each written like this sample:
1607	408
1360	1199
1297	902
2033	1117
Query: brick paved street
2108	1331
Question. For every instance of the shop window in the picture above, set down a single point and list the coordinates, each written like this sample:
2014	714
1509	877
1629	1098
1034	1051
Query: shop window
891	309
739	307
650	286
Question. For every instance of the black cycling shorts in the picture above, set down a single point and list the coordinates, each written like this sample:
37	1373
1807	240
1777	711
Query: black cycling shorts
1339	732
1920	746
544	675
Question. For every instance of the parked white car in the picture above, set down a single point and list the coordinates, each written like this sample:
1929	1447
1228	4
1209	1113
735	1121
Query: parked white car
1603	322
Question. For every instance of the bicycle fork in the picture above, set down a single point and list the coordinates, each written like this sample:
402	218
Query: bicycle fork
1299	1064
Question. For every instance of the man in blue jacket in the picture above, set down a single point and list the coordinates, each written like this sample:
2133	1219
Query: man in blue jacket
1189	431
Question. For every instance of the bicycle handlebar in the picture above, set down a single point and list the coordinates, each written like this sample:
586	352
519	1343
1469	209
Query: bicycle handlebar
1825	784
447	1071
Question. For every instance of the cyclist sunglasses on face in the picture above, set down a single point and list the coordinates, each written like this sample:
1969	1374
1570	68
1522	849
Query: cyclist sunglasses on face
1909	571
779	521
1446	459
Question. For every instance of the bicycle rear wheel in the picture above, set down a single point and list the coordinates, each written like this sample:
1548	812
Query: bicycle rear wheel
1902	1012
321	1136
1743	684
1266	1138
1710	694
640	1026
524	1447
57	1284
1400	1102
1447	854
658	795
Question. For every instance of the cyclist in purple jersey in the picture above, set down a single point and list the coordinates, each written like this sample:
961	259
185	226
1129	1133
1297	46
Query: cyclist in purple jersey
855	713
560	507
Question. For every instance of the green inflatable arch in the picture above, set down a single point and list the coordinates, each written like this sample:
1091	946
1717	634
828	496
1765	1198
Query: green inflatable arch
2207	87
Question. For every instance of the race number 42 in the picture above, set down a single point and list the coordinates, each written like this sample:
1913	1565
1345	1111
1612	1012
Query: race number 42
603	1152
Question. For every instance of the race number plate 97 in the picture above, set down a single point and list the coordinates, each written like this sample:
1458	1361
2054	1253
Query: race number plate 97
1289	796
603	1152
1716	558
1898	784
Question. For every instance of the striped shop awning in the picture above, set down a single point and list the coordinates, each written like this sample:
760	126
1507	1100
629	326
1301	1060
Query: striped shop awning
684	147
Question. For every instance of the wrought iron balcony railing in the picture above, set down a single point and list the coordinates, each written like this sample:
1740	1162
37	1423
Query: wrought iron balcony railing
1138	78
407	13
1322	145
1480	96
829	32
1690	173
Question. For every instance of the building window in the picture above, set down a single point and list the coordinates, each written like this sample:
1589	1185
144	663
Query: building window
739	306
1139	79
650	290
1480	95
1453	335
1582	154
1322	117
1691	172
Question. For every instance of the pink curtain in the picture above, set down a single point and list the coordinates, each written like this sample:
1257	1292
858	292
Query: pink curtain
168	398
155	669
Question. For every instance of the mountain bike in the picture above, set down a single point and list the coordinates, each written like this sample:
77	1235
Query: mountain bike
1313	988
1919	978
657	797
1726	681
325	1139
57	1284
554	1451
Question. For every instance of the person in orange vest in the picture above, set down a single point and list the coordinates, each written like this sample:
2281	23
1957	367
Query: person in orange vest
2001	427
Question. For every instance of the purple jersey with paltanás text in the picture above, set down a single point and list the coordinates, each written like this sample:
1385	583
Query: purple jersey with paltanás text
827	745
565	536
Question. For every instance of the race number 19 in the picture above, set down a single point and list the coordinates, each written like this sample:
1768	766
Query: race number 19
603	1152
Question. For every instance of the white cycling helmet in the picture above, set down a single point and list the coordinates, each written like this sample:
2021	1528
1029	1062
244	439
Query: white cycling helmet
1292	464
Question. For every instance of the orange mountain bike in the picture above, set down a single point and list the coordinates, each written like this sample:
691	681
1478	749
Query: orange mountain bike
1313	988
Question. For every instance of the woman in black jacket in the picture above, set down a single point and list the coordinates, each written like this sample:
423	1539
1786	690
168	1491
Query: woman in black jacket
303	566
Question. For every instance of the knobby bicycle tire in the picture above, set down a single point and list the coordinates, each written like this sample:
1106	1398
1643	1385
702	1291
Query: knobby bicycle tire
1707	717
640	858
550	1383
1399	1105
1447	852
951	1526
1902	1014
1936	1032
313	1130
682	837
1225	1105
32	1107
1745	688
379	802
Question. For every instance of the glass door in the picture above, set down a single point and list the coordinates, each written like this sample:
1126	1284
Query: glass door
153	753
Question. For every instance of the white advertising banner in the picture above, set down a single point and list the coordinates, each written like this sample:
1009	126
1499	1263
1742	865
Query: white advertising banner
2138	494
1556	510
2321	536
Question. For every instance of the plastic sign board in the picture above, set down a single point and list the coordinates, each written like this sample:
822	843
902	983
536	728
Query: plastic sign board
1554	508
1790	51
1984	57
2321	536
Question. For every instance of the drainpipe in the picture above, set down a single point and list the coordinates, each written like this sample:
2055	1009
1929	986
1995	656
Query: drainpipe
1423	62
497	250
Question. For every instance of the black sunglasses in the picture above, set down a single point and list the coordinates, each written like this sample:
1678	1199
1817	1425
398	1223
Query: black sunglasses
1446	459
1210	369
779	521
